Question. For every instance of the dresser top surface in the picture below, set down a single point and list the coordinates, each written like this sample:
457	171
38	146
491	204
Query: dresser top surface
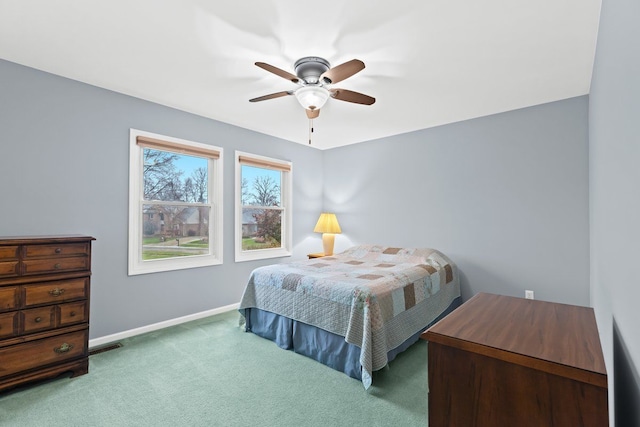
61	238
549	332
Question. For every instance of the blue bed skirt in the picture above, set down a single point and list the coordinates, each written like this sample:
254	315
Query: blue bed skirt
325	347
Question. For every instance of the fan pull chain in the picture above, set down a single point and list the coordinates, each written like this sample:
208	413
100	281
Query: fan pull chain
310	129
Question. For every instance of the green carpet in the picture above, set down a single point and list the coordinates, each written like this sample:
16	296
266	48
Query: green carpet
210	373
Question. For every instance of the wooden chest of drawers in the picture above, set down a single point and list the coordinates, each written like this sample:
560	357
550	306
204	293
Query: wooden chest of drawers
44	307
504	361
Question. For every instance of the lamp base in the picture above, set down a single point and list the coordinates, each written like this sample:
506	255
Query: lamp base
327	243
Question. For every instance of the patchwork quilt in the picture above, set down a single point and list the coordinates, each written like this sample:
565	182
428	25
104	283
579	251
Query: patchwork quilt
374	296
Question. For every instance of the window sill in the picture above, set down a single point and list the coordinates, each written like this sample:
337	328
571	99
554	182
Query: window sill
259	254
170	265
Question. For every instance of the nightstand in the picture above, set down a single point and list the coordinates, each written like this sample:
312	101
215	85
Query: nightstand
316	255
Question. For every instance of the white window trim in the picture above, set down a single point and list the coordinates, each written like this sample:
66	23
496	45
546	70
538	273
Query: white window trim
136	264
286	199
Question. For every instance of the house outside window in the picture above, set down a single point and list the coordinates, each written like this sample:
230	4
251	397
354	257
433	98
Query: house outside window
175	204
263	207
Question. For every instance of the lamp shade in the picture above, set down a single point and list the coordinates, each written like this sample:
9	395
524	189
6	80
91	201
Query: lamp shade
312	97
327	223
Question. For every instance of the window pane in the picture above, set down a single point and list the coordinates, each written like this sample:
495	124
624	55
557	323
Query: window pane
174	231
261	228
261	187
174	177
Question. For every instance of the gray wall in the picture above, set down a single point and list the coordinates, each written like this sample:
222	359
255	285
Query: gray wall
505	196
64	169
614	173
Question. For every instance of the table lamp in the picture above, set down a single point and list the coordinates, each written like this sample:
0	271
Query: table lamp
329	227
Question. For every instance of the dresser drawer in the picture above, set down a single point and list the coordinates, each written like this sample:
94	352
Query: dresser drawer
8	252
55	265
38	319
52	251
8	298
55	292
8	324
8	268
73	312
47	351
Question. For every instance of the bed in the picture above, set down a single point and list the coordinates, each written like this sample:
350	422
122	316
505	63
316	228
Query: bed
354	311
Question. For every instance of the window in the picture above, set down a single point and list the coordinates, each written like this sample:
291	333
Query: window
263	207
181	182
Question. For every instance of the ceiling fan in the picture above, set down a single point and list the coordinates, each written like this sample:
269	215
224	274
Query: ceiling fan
315	77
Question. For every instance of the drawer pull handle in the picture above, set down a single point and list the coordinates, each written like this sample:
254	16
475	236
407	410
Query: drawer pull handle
63	348
56	292
38	319
58	250
73	313
57	266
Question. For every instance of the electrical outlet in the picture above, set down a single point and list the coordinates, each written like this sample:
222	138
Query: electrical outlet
528	294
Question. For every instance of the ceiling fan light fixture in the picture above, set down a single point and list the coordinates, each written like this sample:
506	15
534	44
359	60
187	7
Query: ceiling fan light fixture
312	97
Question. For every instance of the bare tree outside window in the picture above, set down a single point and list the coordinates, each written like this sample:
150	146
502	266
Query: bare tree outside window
175	187
261	208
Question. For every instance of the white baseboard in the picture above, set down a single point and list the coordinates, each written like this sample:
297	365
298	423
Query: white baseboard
108	339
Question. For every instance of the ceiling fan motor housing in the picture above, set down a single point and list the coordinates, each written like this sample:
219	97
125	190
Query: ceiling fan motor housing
310	68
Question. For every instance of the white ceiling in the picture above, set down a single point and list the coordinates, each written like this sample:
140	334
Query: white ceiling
428	62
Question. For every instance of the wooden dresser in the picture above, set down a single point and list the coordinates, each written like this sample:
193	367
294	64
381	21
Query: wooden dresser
504	361
44	307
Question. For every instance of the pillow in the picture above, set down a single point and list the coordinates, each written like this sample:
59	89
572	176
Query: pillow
387	253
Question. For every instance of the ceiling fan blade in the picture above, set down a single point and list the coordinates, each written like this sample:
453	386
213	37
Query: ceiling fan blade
271	96
278	72
342	71
312	114
351	96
